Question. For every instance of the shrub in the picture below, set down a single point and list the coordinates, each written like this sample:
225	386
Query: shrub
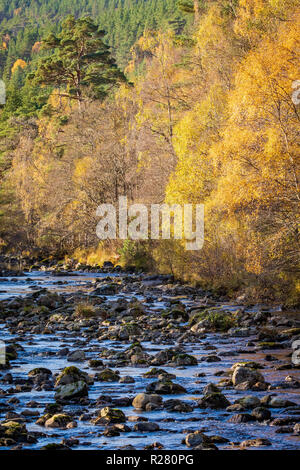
84	310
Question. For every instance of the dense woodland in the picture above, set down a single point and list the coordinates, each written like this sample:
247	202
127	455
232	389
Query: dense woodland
175	101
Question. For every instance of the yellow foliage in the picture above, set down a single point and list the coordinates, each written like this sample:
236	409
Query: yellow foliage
19	63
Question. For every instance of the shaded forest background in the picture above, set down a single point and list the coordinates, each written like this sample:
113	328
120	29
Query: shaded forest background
178	102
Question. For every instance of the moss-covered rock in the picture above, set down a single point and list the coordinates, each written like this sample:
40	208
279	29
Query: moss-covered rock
184	360
155	372
39	371
107	375
14	430
71	375
74	390
214	401
110	415
55	446
212	320
95	363
165	387
58	421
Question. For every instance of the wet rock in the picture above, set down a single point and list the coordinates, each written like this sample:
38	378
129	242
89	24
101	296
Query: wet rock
242	332
214	401
58	421
136	419
241	418
13	430
71	375
261	414
74	390
211	388
154	372
211	358
249	401
126	380
235	407
55	446
177	406
165	387
184	360
40	371
110	415
278	402
107	375
141	401
243	374
256	443
194	439
297	429
96	364
107	289
111	431
53	408
146	427
76	356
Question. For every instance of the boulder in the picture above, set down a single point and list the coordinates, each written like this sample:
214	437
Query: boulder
143	399
58	421
214	401
110	415
260	442
194	439
261	414
246	374
107	375
249	401
74	390
71	375
165	387
76	356
146	427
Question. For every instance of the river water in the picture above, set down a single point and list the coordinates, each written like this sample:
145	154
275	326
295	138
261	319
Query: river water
40	351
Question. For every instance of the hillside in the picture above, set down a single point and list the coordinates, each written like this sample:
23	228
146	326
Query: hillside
24	22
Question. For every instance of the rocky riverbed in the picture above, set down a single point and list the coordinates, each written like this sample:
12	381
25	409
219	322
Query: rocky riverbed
118	361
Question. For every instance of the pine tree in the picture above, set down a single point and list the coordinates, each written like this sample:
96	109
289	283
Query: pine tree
81	64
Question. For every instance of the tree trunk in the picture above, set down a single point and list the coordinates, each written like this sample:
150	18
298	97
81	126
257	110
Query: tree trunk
197	10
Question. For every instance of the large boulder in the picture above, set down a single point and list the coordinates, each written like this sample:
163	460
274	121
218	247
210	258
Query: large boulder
194	439
146	427
177	406
76	356
107	375
142	400
110	415
58	421
249	401
74	390
71	375
13	430
213	400
126	331
246	374
165	387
